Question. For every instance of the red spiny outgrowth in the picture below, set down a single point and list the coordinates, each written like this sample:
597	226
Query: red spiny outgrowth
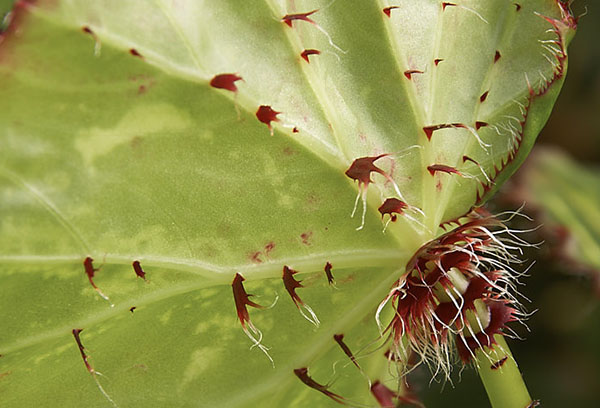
385	397
289	18
137	268
499	363
88	265
226	81
517	6
328	273
430	129
437	61
308	52
132	309
388	10
291	285
84	356
409	73
302	374
135	53
88	366
479	125
339	339
442	168
483	96
393	207
497	56
446	4
360	170
267	115
242	300
87	30
458	290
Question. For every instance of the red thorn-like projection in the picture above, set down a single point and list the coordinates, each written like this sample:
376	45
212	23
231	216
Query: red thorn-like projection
135	53
88	366
328	273
483	96
430	129
302	374
499	363
446	4
479	125
360	170
385	397
137	268
437	61
88	265
290	18
409	73
291	285
394	207
388	10
242	300
497	56
267	115
339	339
518	6
226	81
132	308
442	168
308	52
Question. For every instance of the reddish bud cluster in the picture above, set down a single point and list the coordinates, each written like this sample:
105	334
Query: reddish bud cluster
459	289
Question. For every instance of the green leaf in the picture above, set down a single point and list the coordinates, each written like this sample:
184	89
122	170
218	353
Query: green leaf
114	145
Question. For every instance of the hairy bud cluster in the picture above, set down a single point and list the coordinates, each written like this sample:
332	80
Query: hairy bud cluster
459	291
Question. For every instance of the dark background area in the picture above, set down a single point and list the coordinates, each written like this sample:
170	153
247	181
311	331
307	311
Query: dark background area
560	358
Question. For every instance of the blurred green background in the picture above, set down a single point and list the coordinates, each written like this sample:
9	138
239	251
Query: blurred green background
560	358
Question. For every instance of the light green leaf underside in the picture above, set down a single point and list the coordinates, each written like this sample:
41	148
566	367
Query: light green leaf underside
124	158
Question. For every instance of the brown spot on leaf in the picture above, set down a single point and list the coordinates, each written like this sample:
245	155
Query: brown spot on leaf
306	236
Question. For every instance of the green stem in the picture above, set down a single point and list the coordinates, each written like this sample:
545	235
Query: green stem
501	377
